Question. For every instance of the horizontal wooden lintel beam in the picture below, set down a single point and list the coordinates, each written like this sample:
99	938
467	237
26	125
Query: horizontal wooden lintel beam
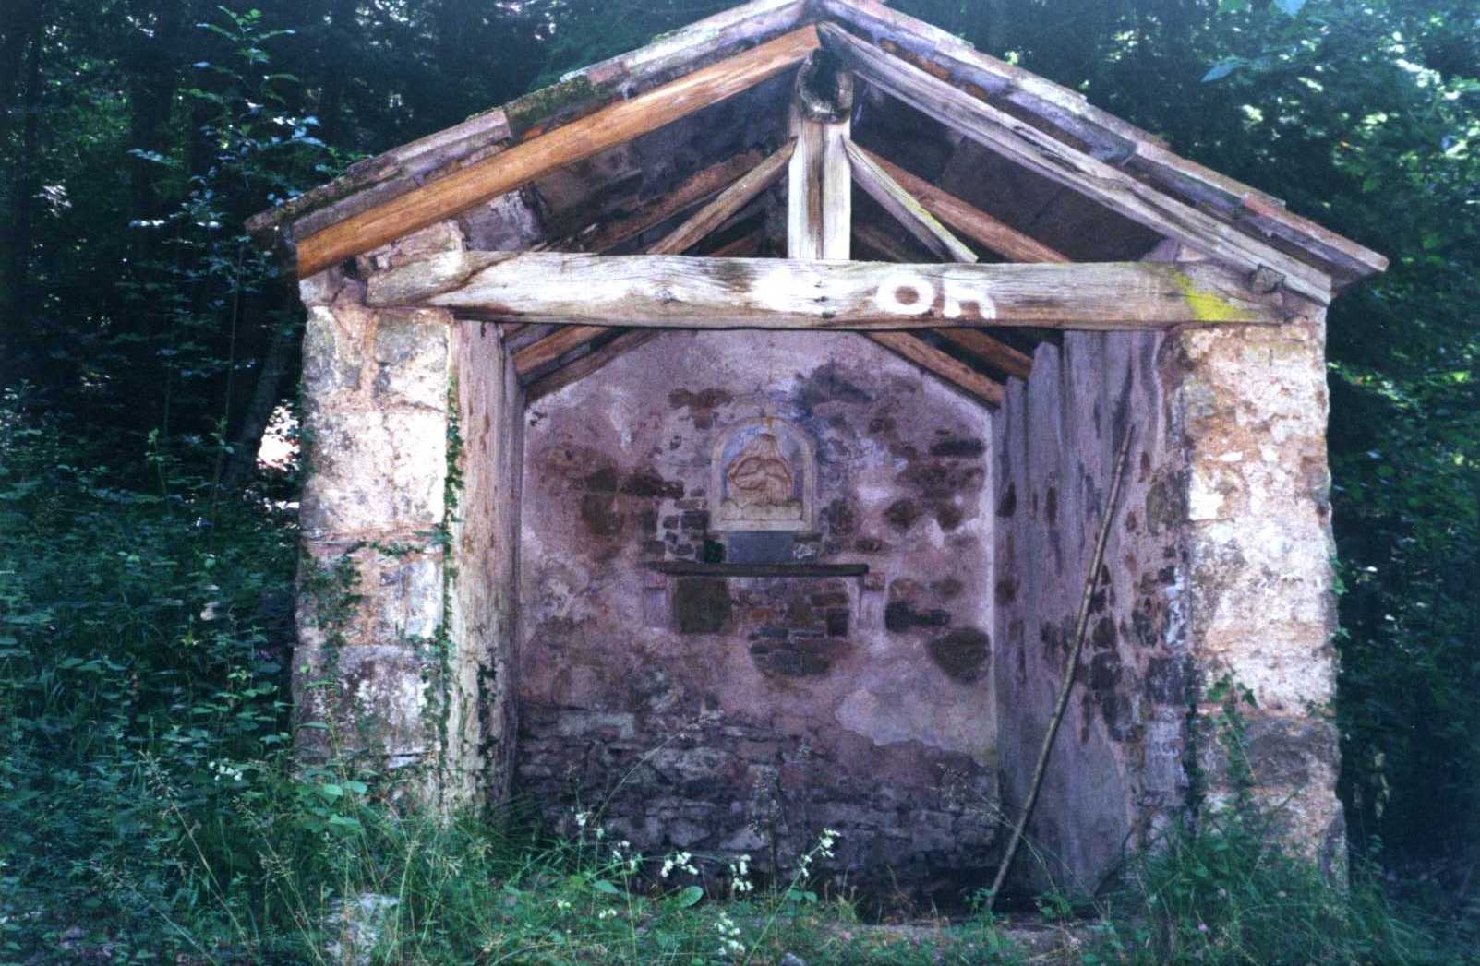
651	291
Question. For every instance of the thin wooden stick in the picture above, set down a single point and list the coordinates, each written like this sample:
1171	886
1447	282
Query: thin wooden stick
1071	667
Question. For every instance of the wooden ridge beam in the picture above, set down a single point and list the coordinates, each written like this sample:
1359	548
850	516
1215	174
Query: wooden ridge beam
1045	155
529	160
656	291
905	208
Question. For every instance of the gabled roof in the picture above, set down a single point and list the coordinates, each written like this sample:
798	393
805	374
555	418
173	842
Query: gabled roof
497	153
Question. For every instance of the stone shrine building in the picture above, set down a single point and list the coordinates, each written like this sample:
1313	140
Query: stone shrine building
717	442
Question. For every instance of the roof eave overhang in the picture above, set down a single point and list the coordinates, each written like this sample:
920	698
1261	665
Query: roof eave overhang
1053	109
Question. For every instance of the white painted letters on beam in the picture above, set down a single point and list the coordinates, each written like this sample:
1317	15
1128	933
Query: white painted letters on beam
922	295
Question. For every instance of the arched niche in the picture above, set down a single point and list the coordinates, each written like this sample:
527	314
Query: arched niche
764	479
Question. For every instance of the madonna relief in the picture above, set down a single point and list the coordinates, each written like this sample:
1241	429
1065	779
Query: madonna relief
765	476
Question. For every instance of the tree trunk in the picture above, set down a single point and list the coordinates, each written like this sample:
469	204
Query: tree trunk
154	77
266	395
22	208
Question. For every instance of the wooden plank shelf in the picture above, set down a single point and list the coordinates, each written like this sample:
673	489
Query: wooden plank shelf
690	568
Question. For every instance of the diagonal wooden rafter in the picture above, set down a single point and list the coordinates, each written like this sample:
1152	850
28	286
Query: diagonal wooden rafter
581	366
994	352
987	231
1070	117
910	347
890	183
530	160
728	203
979	345
909	212
745	190
609	233
1043	154
564	340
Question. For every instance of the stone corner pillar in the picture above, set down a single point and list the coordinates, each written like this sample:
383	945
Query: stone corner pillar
1260	607
378	675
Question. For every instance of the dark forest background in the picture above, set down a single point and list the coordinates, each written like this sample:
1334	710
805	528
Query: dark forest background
145	342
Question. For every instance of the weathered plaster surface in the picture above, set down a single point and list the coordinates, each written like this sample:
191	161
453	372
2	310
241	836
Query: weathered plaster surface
1218	570
745	715
1117	771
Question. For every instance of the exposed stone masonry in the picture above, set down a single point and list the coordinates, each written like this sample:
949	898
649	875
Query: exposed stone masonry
399	650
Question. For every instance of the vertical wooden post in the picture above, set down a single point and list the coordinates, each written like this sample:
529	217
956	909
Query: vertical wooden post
819	202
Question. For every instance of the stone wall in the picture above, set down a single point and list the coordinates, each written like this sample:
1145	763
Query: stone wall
1217	572
409	517
745	714
1253	408
1117	770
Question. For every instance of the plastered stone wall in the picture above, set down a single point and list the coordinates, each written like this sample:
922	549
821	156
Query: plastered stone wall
405	607
1117	771
744	715
1217	570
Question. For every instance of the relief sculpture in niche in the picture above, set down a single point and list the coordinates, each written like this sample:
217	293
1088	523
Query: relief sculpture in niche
764	478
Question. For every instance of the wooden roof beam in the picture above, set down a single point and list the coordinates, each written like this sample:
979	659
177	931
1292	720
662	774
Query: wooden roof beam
585	365
680	240
981	346
728	203
1045	155
820	213
654	291
907	210
994	352
566	339
1108	138
910	347
991	233
608	233
530	160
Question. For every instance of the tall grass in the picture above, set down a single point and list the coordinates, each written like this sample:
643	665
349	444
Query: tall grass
150	809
